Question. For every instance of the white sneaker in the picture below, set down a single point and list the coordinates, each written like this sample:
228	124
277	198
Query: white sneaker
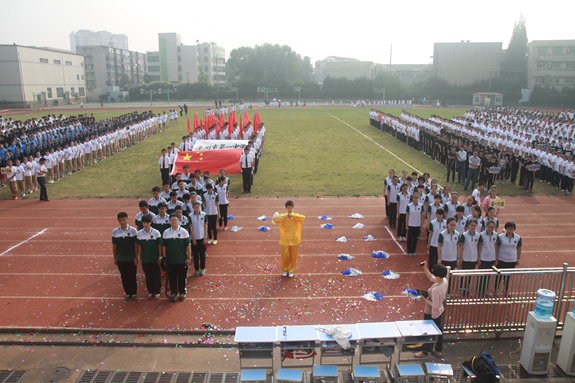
290	275
285	274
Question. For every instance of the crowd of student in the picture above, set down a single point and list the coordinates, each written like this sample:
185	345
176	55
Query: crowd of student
462	236
67	145
494	145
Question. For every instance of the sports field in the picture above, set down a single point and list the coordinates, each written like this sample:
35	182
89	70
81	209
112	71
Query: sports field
313	152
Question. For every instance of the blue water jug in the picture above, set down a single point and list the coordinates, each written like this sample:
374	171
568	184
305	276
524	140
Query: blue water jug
545	303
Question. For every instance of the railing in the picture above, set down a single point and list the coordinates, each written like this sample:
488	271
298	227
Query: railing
491	301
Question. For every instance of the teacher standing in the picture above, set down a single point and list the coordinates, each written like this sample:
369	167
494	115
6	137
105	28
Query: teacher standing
434	302
41	172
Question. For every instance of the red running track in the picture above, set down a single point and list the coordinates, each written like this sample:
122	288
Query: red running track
65	277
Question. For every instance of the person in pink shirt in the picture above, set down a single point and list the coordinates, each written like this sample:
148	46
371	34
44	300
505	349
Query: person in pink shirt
434	303
487	200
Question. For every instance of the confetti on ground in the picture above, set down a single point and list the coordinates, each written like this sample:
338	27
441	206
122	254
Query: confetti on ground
263	228
327	226
342	239
325	218
358	226
235	228
380	254
356	216
351	272
345	257
390	275
372	296
263	218
369	238
411	293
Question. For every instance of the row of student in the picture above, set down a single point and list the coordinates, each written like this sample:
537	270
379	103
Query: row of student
19	170
489	153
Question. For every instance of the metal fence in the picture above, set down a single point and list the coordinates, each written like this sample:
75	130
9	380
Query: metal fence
491	301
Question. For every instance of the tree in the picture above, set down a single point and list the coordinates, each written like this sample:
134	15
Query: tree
124	80
103	98
120	97
514	64
147	79
202	77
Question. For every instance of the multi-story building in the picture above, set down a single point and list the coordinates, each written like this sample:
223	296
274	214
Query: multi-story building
106	67
41	76
551	63
465	63
84	38
343	67
176	62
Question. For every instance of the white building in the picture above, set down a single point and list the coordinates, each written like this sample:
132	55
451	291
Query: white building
85	38
551	63
41	76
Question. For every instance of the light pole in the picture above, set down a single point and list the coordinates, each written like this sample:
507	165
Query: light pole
34	99
298	90
382	91
168	91
266	91
151	92
236	90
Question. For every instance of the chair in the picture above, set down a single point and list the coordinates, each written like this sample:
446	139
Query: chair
289	376
327	374
365	374
439	372
410	373
466	374
253	376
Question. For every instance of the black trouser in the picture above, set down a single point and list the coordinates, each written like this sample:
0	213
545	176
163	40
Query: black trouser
392	214
246	177
514	169
224	214
439	323
153	277
504	265
401	225
165	176
178	275
412	237
256	165
43	191
452	264
467	266
451	168
386	207
128	273
484	281
432	261
212	228
199	251
529	179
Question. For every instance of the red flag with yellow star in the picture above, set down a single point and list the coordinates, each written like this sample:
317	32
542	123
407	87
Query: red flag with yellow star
210	160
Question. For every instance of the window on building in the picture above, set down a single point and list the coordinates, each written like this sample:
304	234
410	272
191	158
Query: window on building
179	49
542	50
72	90
57	62
539	80
153	59
68	62
77	77
553	81
205	50
82	77
205	59
179	58
180	78
570	65
44	61
557	50
540	65
59	92
153	68
49	92
570	81
555	65
179	68
205	69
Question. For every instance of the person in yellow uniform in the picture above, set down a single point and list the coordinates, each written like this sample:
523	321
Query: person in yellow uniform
290	231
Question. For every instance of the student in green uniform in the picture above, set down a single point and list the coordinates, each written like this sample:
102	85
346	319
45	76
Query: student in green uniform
178	252
149	243
125	255
184	221
155	200
144	210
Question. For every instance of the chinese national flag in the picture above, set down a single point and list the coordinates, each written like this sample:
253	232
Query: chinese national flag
188	128
210	160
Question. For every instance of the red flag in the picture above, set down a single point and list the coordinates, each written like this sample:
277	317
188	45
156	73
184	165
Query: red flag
196	122
222	120
188	126
231	123
246	117
205	124
241	124
257	120
210	160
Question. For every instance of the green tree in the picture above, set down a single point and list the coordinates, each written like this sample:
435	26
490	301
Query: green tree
125	80
514	64
202	77
103	98
147	79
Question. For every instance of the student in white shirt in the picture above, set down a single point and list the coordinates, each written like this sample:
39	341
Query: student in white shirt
487	250
436	226
391	193
222	189
509	253
414	217
11	178
403	199
447	245
467	254
477	192
19	178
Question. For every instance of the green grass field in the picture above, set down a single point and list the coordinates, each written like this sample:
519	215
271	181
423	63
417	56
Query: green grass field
307	152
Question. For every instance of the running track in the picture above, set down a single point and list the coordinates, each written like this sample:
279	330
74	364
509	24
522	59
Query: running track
56	267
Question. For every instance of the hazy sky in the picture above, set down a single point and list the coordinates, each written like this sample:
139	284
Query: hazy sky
357	29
